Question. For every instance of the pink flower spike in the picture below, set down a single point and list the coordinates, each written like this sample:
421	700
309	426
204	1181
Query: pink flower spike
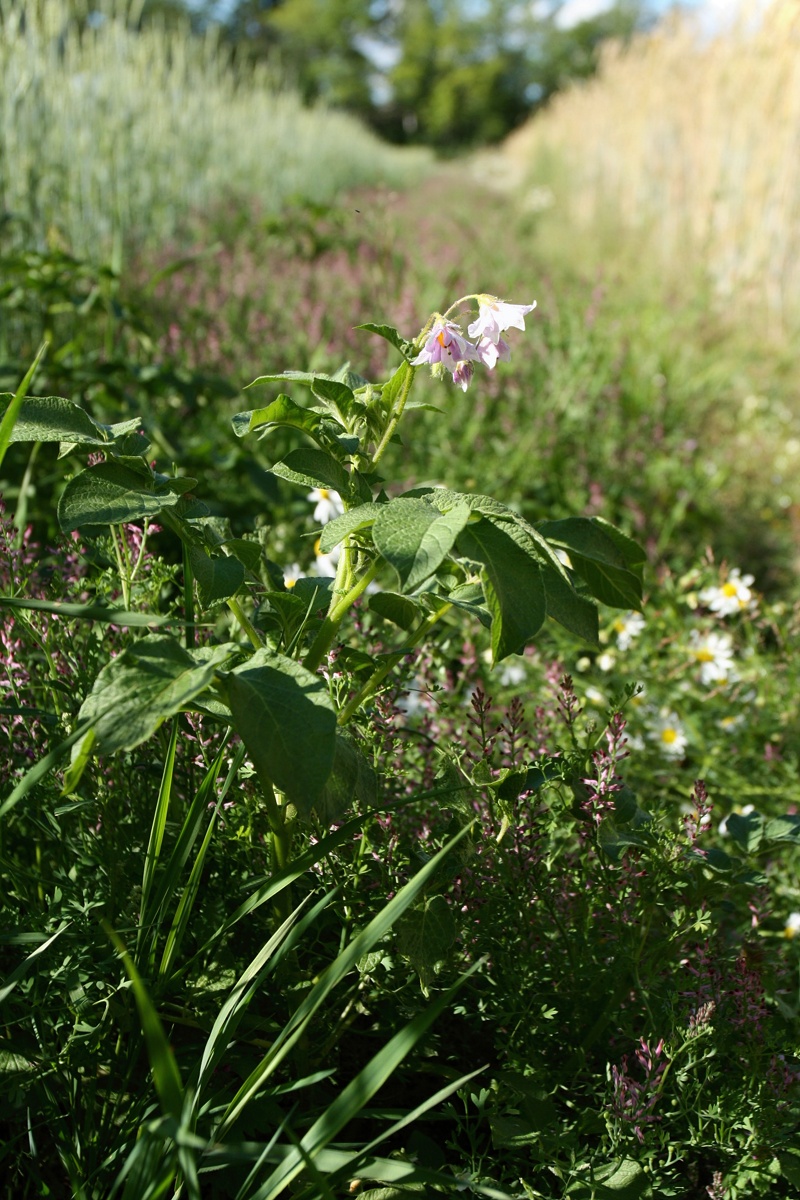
490	352
495	316
446	344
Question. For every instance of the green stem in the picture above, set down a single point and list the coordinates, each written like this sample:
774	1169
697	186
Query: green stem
245	622
123	574
378	676
336	614
188	598
388	432
21	514
281	841
457	305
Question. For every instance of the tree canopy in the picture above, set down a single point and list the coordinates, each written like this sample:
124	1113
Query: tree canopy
447	73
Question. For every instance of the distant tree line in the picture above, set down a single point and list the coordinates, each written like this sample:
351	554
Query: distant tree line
447	73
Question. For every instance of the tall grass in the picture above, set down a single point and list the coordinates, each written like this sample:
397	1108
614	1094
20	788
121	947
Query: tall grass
106	130
691	141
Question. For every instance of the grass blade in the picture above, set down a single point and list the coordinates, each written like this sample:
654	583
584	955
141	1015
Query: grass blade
12	412
166	1076
342	965
358	1091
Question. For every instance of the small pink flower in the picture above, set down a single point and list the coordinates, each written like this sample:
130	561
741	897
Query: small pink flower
490	352
447	345
495	316
463	374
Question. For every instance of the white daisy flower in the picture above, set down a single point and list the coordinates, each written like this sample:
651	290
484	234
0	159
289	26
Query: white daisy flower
731	597
627	628
291	574
328	504
669	735
595	696
512	674
606	660
714	653
731	723
792	926
325	564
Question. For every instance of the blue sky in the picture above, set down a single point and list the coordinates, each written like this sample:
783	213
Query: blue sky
712	12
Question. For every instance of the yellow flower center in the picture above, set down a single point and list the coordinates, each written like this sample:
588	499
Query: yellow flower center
324	493
730	589
704	655
290	582
317	545
669	736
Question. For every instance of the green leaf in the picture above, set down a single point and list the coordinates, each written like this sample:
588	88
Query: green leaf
248	552
335	389
572	611
89	612
143	686
335	392
285	717
217	576
782	829
608	562
746	830
306	377
467	596
398	609
282	411
313	469
390	334
790	1166
717	859
360	517
352	782
56	419
110	494
512	581
415	538
425	936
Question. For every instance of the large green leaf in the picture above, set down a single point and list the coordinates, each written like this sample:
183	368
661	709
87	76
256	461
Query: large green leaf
425	937
360	517
282	411
609	562
572	611
285	717
336	389
352	781
218	576
55	419
112	493
415	537
143	686
512	582
313	468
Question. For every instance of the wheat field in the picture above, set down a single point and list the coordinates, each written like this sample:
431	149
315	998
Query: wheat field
107	131
691	141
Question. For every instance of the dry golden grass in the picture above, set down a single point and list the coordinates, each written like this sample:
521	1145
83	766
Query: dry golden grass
692	143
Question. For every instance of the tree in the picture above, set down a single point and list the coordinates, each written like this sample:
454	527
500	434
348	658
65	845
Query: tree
462	73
